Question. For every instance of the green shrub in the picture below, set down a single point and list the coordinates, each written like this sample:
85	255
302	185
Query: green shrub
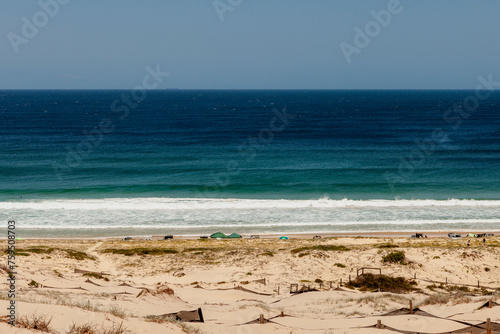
370	282
34	284
387	245
140	251
395	257
339	248
266	253
96	275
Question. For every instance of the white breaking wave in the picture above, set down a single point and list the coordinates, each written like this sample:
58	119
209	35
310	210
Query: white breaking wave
145	204
408	223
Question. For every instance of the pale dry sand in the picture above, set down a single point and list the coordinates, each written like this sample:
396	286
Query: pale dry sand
203	274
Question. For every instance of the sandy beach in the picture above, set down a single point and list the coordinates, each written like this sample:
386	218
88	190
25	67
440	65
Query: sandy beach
130	286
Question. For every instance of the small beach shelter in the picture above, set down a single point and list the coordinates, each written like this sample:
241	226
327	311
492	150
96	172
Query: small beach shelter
234	236
218	235
283	238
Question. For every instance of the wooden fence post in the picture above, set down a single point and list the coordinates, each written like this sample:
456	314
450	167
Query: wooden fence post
261	319
490	303
379	324
411	307
488	326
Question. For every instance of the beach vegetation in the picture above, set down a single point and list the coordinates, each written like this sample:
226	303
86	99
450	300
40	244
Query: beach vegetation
140	251
21	253
97	276
163	290
304	254
441	299
34	284
160	319
5	268
249	274
58	273
397	257
387	245
118	312
77	255
266	253
370	282
264	307
69	253
340	265
36	322
82	329
115	329
184	327
318	280
457	288
338	248
202	249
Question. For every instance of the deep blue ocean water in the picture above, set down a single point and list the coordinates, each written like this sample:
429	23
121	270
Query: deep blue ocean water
82	150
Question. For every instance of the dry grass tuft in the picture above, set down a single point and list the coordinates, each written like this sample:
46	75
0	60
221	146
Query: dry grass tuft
441	299
185	327
118	312
36	322
82	329
96	275
160	291
92	329
116	329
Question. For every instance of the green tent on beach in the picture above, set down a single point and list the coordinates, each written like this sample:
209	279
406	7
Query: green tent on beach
234	236
218	235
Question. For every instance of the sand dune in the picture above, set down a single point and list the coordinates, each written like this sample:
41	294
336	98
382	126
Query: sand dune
138	279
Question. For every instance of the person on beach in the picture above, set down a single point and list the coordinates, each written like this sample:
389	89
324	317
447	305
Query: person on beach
468	243
484	241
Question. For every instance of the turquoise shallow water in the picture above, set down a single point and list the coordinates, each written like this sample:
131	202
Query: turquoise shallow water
177	157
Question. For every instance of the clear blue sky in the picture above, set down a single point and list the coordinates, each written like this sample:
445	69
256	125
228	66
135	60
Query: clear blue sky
263	44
